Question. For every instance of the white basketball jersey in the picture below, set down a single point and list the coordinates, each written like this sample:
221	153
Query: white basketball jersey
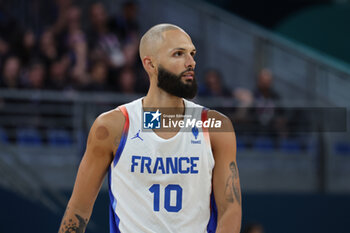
162	185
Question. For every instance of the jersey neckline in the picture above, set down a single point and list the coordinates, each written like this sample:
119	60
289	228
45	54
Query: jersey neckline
156	136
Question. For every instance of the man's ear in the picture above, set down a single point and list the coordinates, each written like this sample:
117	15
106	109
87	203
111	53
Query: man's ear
148	64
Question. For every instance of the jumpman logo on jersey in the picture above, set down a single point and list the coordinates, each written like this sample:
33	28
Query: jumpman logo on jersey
137	135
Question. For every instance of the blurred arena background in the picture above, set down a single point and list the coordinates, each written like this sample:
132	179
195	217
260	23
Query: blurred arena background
64	62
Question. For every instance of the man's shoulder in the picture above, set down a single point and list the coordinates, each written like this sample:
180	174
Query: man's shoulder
217	115
226	124
113	119
111	114
213	114
116	117
191	104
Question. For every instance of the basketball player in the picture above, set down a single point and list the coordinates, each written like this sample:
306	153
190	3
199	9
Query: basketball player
160	181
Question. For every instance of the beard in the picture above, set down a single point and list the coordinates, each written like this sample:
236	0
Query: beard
173	84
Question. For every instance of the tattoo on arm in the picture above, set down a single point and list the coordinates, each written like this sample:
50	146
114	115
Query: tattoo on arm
68	225
232	189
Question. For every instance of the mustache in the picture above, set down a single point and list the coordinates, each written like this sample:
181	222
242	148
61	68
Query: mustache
189	69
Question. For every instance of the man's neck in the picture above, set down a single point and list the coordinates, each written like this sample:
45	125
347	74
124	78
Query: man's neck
167	104
157	97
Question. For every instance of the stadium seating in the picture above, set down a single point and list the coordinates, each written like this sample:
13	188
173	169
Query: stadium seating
290	146
28	137
342	148
263	144
59	137
3	136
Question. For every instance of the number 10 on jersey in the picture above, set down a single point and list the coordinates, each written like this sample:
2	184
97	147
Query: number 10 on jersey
177	191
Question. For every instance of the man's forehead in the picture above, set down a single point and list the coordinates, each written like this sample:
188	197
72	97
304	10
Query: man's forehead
176	39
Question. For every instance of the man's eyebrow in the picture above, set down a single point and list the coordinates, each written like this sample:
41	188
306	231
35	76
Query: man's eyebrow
183	49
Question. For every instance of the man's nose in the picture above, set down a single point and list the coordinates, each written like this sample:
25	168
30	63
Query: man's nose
190	62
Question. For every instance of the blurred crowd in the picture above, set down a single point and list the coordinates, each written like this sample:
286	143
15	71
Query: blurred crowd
96	50
257	110
65	53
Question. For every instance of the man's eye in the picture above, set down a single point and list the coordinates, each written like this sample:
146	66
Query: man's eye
178	54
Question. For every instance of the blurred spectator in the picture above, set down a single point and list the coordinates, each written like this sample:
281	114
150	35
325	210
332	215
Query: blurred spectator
10	73
127	81
266	101
104	43
57	79
72	42
130	12
244	97
64	51
48	49
214	85
62	7
265	98
244	113
4	47
127	24
98	19
127	27
27	48
35	78
79	59
74	18
264	93
253	228
99	75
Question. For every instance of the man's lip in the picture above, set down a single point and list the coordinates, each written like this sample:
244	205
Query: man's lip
188	77
189	73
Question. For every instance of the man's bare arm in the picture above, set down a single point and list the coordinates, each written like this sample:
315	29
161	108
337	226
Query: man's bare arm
102	143
226	184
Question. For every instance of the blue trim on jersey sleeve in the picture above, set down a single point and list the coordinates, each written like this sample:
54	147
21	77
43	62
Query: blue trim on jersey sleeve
120	148
113	217
113	228
211	228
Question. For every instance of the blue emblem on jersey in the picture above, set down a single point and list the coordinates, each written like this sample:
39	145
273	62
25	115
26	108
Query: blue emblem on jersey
195	133
137	135
151	120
